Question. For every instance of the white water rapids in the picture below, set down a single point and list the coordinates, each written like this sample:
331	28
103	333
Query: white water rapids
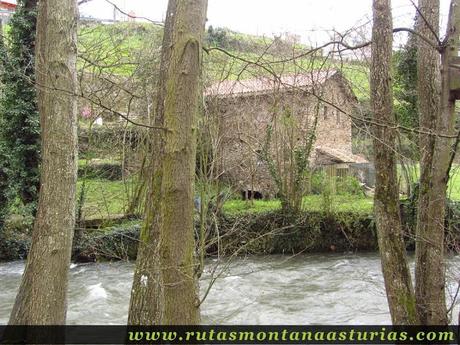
304	289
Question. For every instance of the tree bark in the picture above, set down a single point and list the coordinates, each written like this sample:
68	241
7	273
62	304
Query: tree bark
435	116
42	296
146	304
398	284
165	289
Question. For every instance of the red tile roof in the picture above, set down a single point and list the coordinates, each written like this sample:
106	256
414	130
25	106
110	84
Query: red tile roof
8	5
268	84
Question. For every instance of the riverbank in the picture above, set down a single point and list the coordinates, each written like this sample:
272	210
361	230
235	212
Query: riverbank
251	233
267	232
245	233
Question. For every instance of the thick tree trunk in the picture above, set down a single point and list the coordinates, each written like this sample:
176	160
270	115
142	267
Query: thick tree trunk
398	282
3	158
146	304
165	289
436	115
42	294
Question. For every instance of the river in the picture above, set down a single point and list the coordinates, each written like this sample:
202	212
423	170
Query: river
304	289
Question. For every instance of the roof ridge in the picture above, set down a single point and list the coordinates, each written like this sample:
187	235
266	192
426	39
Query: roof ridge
266	83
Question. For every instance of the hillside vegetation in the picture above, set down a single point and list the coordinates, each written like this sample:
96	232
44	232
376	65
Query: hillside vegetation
122	48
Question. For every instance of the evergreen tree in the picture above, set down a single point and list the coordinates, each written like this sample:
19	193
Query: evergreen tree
405	81
19	122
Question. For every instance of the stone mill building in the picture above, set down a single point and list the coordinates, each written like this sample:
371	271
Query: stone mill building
282	113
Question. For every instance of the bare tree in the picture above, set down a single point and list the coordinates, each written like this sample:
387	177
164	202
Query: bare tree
42	296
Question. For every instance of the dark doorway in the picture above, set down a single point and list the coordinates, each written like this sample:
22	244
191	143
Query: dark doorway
251	194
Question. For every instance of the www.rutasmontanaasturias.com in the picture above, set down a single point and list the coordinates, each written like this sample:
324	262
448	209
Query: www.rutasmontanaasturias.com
286	335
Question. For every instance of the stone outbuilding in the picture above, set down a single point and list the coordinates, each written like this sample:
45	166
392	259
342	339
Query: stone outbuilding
283	114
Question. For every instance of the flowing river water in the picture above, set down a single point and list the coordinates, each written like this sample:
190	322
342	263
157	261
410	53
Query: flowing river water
304	289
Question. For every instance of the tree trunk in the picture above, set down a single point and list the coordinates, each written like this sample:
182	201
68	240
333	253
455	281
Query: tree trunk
165	289
146	304
4	185
436	117
42	296
396	273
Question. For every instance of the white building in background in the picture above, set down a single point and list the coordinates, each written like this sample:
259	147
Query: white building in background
107	12
7	8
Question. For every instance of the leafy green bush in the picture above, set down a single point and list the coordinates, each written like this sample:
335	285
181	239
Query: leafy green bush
15	237
348	185
318	181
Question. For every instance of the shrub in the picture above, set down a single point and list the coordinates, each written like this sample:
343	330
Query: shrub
348	185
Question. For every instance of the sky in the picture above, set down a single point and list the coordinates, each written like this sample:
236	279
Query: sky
311	19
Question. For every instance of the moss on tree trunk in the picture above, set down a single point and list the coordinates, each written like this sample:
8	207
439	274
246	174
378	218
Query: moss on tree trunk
436	115
165	289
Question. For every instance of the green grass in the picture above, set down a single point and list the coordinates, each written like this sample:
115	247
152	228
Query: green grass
103	198
453	191
238	206
454	184
107	160
106	198
116	48
340	203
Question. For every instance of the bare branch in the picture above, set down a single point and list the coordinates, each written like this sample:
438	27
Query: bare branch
433	31
133	16
81	2
436	45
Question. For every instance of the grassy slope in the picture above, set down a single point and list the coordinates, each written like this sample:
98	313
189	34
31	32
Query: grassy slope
117	44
